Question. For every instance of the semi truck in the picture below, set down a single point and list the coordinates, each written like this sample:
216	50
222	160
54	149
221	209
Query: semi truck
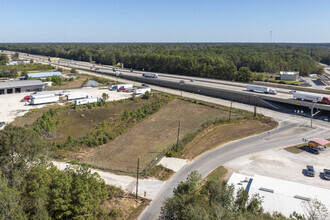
45	100
150	75
311	97
141	91
86	101
119	86
74	96
264	89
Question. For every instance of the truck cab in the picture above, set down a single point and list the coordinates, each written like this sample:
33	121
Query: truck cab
326	100
272	91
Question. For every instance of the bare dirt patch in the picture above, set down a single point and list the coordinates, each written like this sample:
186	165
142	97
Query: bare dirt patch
220	134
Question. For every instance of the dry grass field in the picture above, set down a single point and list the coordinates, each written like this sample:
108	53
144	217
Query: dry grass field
220	134
150	137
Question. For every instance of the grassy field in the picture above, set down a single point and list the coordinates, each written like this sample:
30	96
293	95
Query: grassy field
79	122
216	135
150	137
160	172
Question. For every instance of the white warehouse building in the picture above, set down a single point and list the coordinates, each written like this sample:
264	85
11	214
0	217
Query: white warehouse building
289	76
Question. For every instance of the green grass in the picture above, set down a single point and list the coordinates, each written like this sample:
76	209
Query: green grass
296	149
218	174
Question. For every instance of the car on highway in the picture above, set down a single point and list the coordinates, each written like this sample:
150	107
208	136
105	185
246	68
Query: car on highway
182	81
325	119
326	174
145	85
97	68
313	150
310	170
192	80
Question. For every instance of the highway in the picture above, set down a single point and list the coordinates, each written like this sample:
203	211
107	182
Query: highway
199	84
291	130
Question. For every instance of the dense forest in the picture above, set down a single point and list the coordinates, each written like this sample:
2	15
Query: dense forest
211	60
32	188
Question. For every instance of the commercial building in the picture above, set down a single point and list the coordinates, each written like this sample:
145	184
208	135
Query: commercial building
280	195
289	76
42	75
17	86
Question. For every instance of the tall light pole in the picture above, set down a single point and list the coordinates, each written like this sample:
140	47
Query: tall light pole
312	112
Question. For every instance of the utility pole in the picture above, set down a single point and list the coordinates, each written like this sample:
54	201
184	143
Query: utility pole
255	106
231	105
137	178
177	141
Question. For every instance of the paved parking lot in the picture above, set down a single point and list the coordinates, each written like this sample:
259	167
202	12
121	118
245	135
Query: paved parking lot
12	107
279	163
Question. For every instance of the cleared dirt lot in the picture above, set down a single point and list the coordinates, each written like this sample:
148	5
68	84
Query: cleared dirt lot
279	163
12	107
149	137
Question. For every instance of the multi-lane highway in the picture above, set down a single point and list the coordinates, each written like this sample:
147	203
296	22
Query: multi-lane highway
198	85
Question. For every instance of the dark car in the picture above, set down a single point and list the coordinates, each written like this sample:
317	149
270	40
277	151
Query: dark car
2	123
145	85
310	170
313	150
326	174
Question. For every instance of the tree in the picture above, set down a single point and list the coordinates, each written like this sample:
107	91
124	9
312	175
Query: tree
10	207
105	97
31	61
19	147
15	56
244	74
146	95
315	210
3	59
73	70
221	193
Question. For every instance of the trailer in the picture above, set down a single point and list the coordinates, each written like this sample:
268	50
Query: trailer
263	89
86	101
142	91
74	96
45	100
311	97
40	95
120	86
150	75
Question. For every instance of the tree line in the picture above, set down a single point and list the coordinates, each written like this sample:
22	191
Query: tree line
220	61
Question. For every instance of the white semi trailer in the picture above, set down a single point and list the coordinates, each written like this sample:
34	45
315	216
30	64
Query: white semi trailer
263	89
307	97
142	91
74	96
150	75
45	100
86	101
42	95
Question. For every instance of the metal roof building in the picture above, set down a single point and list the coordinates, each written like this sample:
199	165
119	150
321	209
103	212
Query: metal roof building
17	86
291	76
42	75
280	195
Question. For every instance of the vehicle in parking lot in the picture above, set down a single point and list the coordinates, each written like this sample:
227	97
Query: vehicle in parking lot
326	174
313	150
2	123
310	170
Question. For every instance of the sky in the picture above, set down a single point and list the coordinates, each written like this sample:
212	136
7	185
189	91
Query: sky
291	21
